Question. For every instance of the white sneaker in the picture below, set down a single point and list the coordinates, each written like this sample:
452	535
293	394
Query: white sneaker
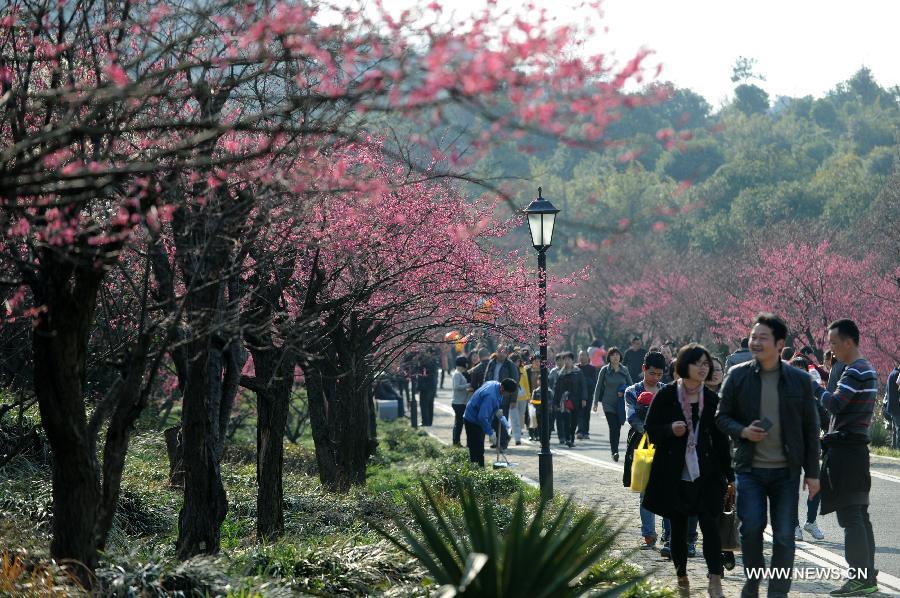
798	534
813	528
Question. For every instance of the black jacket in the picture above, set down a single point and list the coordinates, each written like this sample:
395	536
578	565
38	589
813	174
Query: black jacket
476	374
507	370
662	496
892	394
739	406
572	383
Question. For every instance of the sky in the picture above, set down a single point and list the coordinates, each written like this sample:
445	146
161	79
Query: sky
802	47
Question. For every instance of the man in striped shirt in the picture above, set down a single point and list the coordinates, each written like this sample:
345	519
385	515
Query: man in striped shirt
845	467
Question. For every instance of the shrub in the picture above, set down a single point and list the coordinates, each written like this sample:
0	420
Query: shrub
399	442
879	434
136	516
333	570
466	550
456	471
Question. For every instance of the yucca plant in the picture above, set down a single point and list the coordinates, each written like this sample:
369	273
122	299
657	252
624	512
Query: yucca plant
541	555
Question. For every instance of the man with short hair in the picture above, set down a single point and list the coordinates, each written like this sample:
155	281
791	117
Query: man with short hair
570	391
428	384
768	409
635	413
845	463
892	404
482	408
740	356
501	367
589	372
477	372
634	358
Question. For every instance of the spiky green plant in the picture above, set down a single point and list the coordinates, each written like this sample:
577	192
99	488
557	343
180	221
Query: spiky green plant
544	554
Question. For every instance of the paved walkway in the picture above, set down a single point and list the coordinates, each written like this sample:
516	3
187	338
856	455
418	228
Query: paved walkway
587	473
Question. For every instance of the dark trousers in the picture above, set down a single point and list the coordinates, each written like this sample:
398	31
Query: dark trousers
859	541
812	508
712	546
895	428
504	435
584	419
780	490
458	422
426	402
691	531
475	442
565	426
615	427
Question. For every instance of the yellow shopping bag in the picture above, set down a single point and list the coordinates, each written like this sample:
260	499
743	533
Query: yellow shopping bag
640	466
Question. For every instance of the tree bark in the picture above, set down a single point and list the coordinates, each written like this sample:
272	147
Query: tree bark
175	451
339	417
318	391
205	503
59	345
272	403
272	418
129	401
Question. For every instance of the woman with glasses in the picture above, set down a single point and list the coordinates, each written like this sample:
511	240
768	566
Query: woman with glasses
691	472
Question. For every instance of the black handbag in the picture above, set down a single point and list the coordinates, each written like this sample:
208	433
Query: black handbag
729	534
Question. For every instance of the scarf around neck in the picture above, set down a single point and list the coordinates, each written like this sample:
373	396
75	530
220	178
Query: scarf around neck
691	462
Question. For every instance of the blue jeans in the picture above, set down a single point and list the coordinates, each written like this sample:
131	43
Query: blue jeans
812	508
692	528
780	490
648	520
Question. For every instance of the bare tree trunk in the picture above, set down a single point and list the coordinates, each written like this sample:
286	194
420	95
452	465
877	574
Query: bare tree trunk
272	418
349	430
59	345
175	450
129	401
205	503
320	395
339	417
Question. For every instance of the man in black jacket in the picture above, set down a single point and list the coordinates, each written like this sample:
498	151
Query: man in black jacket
477	373
583	409
428	383
740	356
892	404
570	392
768	409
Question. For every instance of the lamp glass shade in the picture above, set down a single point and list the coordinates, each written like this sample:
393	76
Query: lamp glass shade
541	218
541	226
535	223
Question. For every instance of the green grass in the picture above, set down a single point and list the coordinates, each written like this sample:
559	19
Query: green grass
330	546
885	451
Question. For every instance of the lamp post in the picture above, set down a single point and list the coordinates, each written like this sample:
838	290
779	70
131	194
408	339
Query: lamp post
541	218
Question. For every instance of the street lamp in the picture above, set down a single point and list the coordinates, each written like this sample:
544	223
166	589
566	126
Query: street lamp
541	218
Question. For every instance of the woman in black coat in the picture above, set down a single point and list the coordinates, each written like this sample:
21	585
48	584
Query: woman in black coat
691	471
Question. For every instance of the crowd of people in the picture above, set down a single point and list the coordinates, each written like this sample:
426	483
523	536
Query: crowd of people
746	431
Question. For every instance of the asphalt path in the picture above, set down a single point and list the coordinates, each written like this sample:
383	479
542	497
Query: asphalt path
884	510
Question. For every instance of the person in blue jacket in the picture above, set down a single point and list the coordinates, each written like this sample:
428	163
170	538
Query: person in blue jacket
480	412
